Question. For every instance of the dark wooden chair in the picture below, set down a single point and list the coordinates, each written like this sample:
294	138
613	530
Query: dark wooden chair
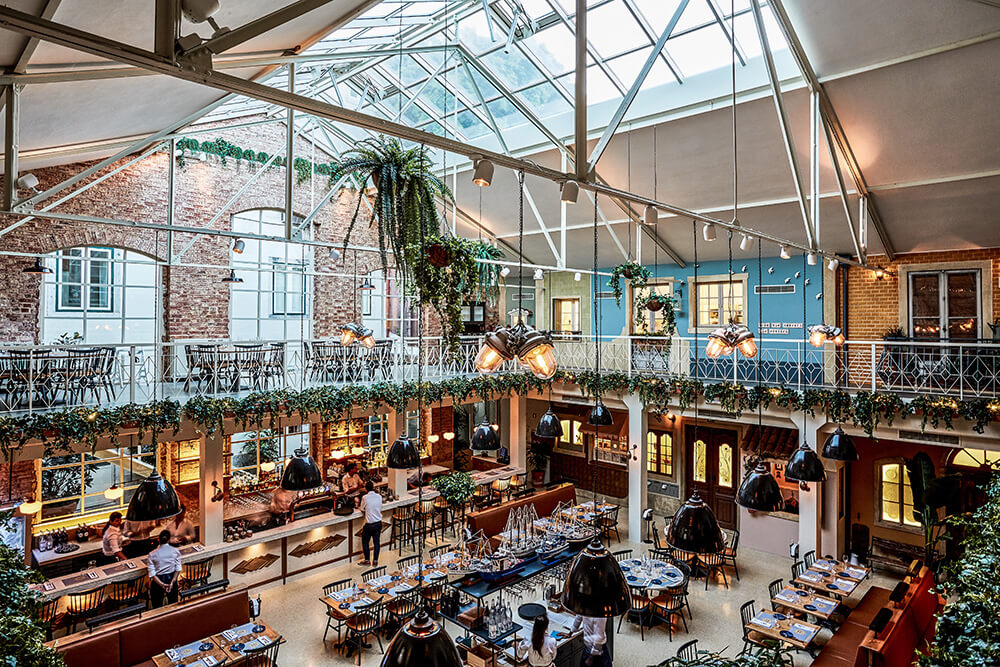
730	550
196	572
639	607
688	650
404	563
608	523
750	637
431	595
401	608
366	621
333	620
401	531
622	555
437	551
669	604
50	615
809	558
714	563
262	656
83	605
129	591
798	567
373	573
773	589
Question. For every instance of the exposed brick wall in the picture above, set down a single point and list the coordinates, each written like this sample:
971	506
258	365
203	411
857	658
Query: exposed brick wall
443	451
196	302
15	488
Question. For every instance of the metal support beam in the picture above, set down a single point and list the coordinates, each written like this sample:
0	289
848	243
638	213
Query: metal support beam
643	22
290	135
580	93
842	189
541	225
832	121
640	78
12	112
786	130
482	103
171	189
24	58
248	31
815	121
167	28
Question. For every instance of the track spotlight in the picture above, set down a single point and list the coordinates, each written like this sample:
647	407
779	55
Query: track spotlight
576	276
483	174
570	191
504	272
746	242
708	233
833	264
239	246
334	254
651	216
811	259
784	254
538	274
27	182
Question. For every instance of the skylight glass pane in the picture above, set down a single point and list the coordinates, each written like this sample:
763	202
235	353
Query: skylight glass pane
439	99
513	68
474	33
746	33
422	8
536	9
505	113
701	51
544	100
599	86
411	71
612	30
555	47
696	14
627	68
470	125
460	79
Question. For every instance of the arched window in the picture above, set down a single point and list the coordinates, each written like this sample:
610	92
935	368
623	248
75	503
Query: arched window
99	295
274	300
894	497
975	458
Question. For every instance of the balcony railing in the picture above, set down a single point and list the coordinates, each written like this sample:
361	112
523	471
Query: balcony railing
40	378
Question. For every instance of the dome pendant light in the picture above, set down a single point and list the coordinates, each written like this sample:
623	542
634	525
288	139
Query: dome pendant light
549	425
596	585
422	641
695	529
600	415
153	500
760	491
840	447
402	454
485	438
301	472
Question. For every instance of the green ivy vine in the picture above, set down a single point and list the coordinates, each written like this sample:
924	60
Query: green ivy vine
226	151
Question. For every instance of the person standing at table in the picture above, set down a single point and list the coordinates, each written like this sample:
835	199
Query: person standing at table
541	649
164	567
181	530
595	641
111	540
371	509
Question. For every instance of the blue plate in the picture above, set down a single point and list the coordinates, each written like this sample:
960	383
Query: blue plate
810	607
825	574
832	587
259	628
419	577
656	582
383	590
780	616
345	605
206	646
237	647
632	577
395	577
786	634
801	593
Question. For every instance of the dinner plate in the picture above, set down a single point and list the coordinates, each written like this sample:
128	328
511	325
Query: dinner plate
206	646
801	593
832	587
383	591
780	616
786	634
656	581
345	605
395	577
632	577
259	628
810	607
237	647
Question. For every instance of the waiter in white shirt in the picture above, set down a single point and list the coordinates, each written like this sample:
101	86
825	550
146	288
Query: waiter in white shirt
181	530
595	641
371	508
111	540
164	567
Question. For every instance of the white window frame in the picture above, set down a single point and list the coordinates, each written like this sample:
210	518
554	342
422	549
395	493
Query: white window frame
663	288
575	324
985	268
694	321
942	276
86	285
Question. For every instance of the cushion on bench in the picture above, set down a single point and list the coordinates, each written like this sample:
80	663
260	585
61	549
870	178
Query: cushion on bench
97	650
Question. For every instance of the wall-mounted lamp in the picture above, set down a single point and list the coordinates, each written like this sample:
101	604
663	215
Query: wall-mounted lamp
217	494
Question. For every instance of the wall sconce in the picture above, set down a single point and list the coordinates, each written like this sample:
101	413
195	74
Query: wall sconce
635	453
879	273
217	494
448	435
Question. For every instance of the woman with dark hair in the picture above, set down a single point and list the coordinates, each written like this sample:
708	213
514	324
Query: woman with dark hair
111	539
541	649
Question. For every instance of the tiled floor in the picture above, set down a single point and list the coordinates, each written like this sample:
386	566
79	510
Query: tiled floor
295	610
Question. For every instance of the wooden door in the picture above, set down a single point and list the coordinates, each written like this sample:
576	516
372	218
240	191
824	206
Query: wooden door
711	470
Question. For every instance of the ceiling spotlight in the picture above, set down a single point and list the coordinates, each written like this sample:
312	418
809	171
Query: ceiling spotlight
811	259
833	264
746	242
334	254
504	272
27	182
232	277
483	174
708	233
538	274
239	246
784	254
651	216
570	191
576	276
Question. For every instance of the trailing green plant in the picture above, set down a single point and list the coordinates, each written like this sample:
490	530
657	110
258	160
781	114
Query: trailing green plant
404	207
635	275
931	494
226	151
771	655
667	315
967	632
894	333
456	488
22	630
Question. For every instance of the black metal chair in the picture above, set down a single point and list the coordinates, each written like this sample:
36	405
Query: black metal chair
773	589
261	656
688	650
436	551
622	555
431	595
401	608
639	607
332	620
668	604
798	567
373	573
366	621
750	637
713	563
809	558
404	563
607	522
730	550
401	531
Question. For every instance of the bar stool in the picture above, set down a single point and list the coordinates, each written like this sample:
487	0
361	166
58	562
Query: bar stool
481	497
402	527
423	514
196	572
518	483
83	605
128	591
499	487
442	510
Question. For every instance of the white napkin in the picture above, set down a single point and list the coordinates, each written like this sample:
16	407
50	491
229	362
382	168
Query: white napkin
172	654
763	622
843	583
338	596
855	573
799	626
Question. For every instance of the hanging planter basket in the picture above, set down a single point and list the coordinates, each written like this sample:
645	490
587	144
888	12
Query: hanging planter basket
627	272
438	255
654	304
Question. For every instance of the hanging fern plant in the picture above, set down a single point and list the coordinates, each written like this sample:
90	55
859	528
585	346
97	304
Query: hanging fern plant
636	275
404	210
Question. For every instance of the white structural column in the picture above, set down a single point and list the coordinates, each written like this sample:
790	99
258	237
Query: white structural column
396	427
513	415
637	427
811	501
211	459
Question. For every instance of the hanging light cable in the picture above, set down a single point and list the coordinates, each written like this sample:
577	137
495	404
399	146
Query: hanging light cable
530	347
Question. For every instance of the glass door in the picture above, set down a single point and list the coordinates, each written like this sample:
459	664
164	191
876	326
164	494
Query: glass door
711	457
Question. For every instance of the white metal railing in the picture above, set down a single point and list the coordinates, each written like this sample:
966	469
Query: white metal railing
39	378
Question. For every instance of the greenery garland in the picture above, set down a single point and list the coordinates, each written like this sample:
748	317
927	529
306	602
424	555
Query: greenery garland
59	431
225	151
967	633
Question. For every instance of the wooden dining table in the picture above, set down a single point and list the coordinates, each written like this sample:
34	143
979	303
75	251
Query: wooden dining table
223	647
833	577
387	587
806	602
235	641
783	628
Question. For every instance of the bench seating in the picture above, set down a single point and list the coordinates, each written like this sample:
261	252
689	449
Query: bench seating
136	641
492	520
893	556
843	648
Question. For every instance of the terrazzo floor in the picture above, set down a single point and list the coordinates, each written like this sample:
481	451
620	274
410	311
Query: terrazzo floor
294	610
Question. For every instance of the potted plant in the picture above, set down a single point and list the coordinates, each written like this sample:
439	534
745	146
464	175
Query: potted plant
538	459
637	276
455	488
930	494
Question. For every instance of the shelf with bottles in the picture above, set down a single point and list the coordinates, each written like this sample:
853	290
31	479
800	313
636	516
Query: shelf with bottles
611	450
789	489
246	482
347	428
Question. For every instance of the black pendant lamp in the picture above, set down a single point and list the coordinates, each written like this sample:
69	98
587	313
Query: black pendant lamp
549	425
600	415
695	529
485	438
759	491
840	447
154	500
422	641
301	472
805	466
596	584
402	454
